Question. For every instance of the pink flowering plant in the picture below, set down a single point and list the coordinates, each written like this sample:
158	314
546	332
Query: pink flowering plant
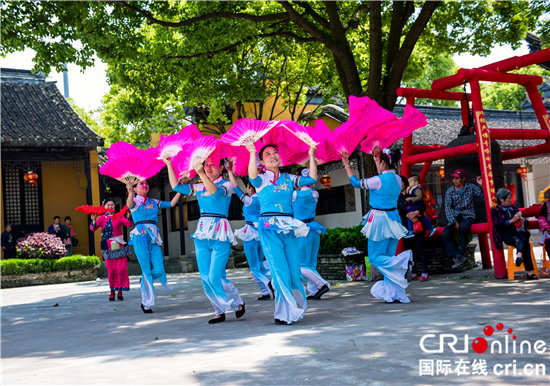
40	245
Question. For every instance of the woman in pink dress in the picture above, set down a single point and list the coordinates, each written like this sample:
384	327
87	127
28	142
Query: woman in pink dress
114	248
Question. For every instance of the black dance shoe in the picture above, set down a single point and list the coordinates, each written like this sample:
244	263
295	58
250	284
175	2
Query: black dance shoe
217	320
395	301
264	297
149	311
519	261
279	322
532	277
241	312
271	287
320	292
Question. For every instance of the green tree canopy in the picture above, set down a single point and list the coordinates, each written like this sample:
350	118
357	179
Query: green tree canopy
164	55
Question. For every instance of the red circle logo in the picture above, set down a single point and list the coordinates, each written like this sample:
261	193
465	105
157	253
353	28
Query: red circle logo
480	345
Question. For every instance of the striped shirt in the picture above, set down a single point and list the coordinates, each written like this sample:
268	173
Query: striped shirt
457	203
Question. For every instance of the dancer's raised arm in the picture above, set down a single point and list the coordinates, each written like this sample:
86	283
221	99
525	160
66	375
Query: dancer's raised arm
171	173
252	164
208	184
130	199
312	163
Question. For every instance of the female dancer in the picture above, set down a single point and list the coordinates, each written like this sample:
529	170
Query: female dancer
213	237
114	248
250	237
279	231
383	226
146	239
304	205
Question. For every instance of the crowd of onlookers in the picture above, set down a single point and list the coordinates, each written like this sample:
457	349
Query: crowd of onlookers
64	231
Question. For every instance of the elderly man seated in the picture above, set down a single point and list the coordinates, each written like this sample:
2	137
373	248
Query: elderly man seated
459	208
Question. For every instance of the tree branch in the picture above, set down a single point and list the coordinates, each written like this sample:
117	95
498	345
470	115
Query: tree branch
354	23
375	67
336	27
308	27
395	73
310	11
396	30
208	16
235	45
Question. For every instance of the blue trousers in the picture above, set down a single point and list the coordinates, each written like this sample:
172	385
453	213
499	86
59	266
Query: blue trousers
149	254
255	257
212	257
308	250
282	253
382	257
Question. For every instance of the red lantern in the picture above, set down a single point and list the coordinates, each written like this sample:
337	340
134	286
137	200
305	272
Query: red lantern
326	180
522	171
31	178
441	172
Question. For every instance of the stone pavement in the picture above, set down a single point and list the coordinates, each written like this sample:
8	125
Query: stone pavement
347	338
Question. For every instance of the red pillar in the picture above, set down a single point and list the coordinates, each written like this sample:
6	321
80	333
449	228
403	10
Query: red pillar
425	170
484	151
407	146
538	106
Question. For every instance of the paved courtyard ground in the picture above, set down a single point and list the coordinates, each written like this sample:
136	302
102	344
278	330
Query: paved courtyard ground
347	338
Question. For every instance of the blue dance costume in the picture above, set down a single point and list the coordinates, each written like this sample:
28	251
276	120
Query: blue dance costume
251	240
383	228
213	238
304	204
146	240
279	233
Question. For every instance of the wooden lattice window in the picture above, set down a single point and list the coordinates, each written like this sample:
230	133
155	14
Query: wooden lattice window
12	197
22	202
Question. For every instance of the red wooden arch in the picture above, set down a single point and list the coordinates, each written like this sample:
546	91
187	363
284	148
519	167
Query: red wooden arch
495	72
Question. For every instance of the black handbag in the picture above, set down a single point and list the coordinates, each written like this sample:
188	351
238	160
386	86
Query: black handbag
75	241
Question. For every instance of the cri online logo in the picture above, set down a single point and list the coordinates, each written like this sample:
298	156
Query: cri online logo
480	345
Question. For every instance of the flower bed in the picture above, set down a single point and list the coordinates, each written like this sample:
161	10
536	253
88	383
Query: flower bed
27	272
40	245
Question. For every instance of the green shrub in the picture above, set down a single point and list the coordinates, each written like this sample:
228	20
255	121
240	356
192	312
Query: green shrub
336	239
76	262
23	266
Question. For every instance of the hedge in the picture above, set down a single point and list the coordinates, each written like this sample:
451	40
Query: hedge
336	239
23	266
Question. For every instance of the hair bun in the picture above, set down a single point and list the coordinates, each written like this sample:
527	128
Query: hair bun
395	155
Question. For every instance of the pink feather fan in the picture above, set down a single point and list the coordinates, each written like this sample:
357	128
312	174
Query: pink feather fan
310	135
246	131
132	168
284	132
171	145
127	163
366	116
238	156
184	161
121	149
393	131
321	133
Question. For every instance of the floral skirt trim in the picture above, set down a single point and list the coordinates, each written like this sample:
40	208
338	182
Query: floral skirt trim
120	288
122	252
284	225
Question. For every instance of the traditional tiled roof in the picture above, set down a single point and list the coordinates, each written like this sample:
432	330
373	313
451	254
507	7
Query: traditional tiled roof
34	113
